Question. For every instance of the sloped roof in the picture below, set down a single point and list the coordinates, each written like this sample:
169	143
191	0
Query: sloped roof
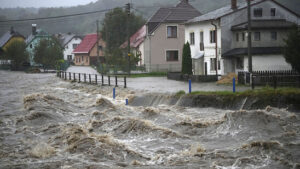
264	24
254	51
86	44
39	32
182	12
7	36
218	13
137	38
65	38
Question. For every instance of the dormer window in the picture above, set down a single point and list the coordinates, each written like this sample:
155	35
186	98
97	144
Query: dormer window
273	11
257	12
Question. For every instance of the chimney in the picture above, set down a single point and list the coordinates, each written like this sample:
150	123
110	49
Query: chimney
33	29
233	4
12	31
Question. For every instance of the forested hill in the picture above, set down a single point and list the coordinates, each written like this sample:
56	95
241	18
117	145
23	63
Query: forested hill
87	23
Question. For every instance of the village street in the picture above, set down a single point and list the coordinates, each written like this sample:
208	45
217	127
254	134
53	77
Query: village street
162	84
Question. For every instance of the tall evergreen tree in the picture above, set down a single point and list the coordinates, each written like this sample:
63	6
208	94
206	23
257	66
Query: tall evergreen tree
292	48
187	64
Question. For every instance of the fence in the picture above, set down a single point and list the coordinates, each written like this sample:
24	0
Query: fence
271	78
93	78
195	78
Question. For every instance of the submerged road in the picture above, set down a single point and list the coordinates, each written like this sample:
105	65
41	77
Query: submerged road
46	122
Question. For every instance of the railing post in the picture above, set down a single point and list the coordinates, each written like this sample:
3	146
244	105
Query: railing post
79	77
57	73
126	102
116	80
233	85
70	76
74	78
102	80
90	79
114	93
190	86
96	79
108	80
125	83
65	75
84	75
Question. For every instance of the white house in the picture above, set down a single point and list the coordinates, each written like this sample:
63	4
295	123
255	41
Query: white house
270	24
69	42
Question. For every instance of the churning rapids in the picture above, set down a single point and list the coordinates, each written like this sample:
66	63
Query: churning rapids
49	123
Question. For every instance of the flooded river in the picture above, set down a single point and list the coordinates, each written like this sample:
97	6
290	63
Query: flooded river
49	123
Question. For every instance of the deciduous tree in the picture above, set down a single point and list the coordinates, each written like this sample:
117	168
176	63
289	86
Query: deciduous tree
16	52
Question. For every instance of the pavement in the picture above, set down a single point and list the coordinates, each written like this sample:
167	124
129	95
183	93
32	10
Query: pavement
162	84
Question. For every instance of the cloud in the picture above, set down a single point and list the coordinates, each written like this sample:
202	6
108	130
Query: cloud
42	3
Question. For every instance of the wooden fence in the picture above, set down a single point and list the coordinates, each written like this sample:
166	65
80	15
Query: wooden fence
93	78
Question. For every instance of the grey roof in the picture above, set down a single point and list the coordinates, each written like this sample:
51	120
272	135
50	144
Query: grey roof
65	38
213	15
264	24
254	51
39	32
182	12
7	36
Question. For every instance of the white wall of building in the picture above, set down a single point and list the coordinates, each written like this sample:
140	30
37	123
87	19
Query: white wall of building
209	48
69	48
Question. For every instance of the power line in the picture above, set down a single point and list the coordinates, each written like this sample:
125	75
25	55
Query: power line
55	17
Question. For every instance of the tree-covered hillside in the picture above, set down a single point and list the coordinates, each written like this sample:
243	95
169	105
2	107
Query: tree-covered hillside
87	23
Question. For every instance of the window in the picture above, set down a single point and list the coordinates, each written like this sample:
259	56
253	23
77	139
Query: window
257	12
239	63
273	35
172	31
192	38
75	46
69	57
257	36
87	59
273	11
237	37
82	59
172	55
213	36
212	63
243	36
100	47
219	65
201	41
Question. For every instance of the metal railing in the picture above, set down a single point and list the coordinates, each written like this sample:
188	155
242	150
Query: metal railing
93	79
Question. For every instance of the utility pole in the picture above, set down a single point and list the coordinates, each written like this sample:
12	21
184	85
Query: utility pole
128	36
249	37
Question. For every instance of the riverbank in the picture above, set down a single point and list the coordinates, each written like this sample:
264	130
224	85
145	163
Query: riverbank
288	98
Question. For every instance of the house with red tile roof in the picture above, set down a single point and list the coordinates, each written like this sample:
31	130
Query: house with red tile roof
137	44
86	51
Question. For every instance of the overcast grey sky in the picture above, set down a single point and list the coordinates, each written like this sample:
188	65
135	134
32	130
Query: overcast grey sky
42	3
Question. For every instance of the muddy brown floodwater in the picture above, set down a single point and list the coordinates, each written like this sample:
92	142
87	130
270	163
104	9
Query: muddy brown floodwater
49	123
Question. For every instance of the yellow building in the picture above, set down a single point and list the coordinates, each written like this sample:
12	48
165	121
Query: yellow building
8	38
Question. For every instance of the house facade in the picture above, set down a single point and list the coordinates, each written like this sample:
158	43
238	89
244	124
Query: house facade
270	24
33	40
137	44
69	42
86	52
165	37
